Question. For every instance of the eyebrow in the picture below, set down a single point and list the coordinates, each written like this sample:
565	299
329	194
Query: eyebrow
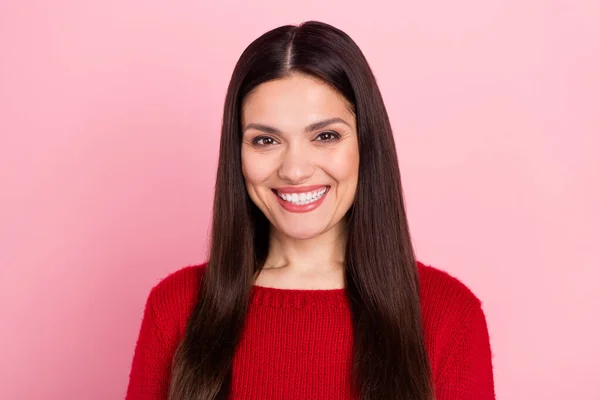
310	128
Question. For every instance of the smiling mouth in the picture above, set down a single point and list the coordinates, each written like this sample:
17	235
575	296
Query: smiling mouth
300	199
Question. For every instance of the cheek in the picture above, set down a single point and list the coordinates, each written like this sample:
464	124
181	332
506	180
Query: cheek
342	164
256	167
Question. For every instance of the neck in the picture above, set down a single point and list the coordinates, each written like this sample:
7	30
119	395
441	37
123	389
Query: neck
319	260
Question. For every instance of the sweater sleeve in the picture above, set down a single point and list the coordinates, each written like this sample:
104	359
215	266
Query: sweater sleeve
151	366
467	373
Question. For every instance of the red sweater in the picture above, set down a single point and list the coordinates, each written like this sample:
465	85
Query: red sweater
297	344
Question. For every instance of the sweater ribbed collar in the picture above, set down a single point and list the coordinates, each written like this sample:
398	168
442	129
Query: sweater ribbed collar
277	297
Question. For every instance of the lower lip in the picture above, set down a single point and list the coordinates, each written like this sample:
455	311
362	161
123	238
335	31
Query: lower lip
291	207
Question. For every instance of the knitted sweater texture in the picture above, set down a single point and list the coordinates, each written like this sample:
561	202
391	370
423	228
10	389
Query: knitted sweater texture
297	344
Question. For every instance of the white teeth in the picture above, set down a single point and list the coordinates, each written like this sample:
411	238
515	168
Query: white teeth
302	198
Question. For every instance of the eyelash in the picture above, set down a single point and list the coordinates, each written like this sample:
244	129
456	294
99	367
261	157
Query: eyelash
335	135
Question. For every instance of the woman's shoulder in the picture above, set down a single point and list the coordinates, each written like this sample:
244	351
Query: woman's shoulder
447	303
182	281
172	299
441	289
455	328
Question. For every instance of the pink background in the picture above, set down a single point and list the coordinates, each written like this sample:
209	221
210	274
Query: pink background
109	122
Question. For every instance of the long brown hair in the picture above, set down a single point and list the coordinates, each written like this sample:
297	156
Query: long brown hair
389	356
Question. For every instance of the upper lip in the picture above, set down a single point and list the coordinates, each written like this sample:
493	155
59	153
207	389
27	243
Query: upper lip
299	189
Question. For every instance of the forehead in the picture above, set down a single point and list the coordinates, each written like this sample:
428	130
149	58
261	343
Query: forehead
294	100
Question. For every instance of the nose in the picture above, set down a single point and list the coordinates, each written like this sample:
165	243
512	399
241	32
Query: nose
296	164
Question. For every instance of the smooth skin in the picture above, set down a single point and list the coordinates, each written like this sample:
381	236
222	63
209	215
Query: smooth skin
306	249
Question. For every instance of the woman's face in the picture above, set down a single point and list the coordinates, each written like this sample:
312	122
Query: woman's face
299	140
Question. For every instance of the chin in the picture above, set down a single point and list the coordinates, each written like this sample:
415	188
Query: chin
302	234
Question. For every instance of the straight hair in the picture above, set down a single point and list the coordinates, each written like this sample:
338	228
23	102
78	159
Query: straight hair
381	277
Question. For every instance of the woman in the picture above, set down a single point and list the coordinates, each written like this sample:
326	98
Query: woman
311	289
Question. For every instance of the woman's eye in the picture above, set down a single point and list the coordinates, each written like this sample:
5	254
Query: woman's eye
263	141
328	136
